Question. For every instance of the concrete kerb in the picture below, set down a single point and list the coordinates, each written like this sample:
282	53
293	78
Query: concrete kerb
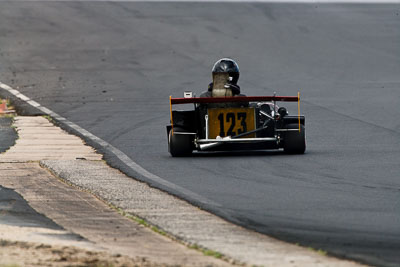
176	218
63	176
49	165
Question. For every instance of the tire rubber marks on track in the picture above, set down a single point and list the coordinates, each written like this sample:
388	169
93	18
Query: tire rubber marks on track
118	153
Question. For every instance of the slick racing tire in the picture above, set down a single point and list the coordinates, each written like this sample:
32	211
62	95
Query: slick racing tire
295	141
180	145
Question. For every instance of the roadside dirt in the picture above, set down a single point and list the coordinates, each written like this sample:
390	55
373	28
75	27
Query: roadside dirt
14	253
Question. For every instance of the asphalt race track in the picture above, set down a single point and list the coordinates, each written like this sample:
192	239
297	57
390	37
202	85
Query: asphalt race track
110	68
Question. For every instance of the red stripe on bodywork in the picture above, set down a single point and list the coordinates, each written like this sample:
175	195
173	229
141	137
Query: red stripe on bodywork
204	100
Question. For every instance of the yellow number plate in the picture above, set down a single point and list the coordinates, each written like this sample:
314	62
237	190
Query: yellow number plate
230	122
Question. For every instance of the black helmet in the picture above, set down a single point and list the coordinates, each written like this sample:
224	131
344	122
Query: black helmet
227	65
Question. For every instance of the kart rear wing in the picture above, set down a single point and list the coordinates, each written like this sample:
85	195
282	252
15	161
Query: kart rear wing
231	99
206	100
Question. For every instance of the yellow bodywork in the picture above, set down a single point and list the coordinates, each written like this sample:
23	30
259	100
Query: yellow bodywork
231	122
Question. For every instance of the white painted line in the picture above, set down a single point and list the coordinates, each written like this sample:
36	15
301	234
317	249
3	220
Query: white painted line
6	87
118	153
34	103
23	97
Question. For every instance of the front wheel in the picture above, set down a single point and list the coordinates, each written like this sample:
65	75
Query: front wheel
295	141
180	145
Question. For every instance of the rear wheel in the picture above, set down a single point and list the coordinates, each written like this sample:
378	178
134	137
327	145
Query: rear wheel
295	141
180	145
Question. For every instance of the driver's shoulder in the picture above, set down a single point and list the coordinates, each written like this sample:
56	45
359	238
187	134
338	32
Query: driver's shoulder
240	95
206	94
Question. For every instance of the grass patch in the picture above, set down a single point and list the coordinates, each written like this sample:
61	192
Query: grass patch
49	118
319	251
212	253
8	115
207	252
140	221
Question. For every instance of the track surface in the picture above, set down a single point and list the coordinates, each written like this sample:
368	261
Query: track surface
8	135
110	68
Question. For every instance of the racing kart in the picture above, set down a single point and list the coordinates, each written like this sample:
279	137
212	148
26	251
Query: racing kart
235	123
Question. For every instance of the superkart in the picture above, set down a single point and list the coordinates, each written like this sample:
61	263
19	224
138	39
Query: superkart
235	123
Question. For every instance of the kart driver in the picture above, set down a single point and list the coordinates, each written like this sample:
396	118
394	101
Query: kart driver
225	75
